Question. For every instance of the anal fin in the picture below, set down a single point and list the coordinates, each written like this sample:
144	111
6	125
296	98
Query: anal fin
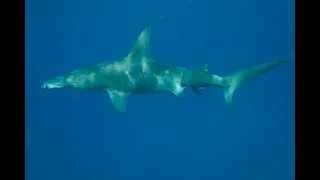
197	91
118	99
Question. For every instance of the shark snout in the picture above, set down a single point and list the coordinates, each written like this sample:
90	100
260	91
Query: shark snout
56	83
52	84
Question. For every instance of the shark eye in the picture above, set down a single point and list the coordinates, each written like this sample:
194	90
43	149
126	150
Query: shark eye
183	83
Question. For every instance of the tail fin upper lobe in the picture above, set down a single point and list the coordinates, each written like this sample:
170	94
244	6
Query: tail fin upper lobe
241	77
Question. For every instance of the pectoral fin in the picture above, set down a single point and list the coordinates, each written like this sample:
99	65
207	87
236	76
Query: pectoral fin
118	99
177	90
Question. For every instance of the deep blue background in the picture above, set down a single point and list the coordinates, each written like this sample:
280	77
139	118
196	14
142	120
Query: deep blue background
77	135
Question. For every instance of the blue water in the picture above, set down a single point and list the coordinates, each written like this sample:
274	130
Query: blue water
78	135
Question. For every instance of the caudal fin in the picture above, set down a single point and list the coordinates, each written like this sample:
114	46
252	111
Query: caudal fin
239	78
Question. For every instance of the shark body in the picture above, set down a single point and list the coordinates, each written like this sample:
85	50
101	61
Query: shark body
140	73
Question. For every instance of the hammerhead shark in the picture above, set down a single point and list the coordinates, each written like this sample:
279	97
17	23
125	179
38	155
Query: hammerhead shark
139	73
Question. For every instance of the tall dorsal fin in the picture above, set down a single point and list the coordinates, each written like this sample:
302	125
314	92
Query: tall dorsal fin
205	67
141	47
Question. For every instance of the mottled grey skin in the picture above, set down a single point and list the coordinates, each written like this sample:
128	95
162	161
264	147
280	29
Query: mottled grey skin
139	73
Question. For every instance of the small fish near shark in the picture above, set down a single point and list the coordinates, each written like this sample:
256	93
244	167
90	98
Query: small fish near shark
139	73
